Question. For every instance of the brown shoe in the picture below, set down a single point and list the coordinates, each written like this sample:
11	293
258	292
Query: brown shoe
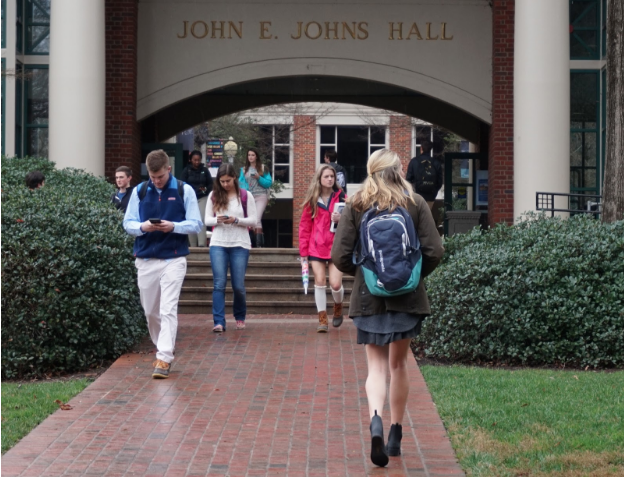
161	369
337	319
322	326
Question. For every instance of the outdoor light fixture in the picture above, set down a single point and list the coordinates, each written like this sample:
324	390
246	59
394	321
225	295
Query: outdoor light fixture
230	149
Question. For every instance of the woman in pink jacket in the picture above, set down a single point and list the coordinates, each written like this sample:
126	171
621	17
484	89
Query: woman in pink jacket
316	240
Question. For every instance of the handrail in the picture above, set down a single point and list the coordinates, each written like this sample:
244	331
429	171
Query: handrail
546	202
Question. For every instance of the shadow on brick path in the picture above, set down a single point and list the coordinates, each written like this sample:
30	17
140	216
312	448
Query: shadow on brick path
276	399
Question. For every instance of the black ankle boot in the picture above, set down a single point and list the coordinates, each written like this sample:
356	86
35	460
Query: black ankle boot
394	440
379	455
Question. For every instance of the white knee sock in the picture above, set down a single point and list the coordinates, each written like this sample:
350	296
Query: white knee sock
320	298
338	295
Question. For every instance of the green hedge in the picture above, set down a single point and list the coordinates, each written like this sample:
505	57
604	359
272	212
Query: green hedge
69	293
546	291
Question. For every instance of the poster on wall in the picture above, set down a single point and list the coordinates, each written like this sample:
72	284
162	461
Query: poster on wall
214	155
482	188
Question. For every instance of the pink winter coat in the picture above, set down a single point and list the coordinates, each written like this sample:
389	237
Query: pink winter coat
315	238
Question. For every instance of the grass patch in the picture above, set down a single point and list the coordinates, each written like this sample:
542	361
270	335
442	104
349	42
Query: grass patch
532	422
26	405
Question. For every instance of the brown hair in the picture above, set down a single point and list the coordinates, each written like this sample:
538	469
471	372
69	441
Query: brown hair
259	165
219	195
124	169
156	160
314	190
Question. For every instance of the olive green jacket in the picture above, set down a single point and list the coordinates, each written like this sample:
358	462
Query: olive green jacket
362	301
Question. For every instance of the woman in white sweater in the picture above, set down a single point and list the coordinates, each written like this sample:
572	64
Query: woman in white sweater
230	211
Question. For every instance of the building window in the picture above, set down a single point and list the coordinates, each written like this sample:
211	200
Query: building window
38	27
354	145
19	26
36	111
274	145
585	31
584	131
19	120
3	7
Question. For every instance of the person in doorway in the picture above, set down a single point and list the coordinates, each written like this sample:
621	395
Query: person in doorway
316	239
230	211
331	158
161	220
200	179
35	180
425	174
386	325
256	179
121	197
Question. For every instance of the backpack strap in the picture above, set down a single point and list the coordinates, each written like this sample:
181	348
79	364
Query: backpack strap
243	194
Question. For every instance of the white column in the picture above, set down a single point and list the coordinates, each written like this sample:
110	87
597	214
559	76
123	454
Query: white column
541	101
77	84
9	91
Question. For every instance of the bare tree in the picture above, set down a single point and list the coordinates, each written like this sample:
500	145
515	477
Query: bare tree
613	191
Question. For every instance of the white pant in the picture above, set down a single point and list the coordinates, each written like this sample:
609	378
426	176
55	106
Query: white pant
160	282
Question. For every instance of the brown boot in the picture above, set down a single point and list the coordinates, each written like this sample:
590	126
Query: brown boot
322	326
337	319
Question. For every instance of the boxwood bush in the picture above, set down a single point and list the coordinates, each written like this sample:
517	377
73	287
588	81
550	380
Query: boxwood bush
545	291
69	293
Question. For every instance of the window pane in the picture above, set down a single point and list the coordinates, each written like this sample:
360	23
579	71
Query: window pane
324	149
282	155
284	226
282	134
375	148
38	11
353	151
584	13
584	100
328	134
378	136
37	142
38	39
37	96
282	173
584	44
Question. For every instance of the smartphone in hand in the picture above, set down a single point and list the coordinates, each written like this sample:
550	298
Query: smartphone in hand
155	221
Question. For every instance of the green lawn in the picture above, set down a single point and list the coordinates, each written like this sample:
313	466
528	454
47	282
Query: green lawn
532	422
26	405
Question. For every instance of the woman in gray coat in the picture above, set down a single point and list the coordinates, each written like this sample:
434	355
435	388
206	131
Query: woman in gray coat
386	325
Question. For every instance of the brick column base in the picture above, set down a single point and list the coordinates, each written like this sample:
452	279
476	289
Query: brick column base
304	164
401	138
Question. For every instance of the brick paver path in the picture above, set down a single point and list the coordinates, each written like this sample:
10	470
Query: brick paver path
277	399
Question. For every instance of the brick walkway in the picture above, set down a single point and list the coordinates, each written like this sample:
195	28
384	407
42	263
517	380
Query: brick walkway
277	399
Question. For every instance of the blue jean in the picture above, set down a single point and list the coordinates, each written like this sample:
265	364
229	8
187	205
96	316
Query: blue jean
236	258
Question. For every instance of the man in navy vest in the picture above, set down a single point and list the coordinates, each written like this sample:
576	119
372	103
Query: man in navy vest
161	222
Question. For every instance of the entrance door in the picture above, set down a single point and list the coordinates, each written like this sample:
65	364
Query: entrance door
465	183
173	150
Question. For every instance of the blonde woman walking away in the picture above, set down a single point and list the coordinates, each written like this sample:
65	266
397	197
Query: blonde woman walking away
316	239
386	325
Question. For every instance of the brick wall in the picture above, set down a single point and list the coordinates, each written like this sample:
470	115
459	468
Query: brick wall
123	137
304	164
401	138
501	157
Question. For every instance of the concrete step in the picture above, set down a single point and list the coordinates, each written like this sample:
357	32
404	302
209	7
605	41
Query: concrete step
260	268
259	307
275	294
256	255
291	281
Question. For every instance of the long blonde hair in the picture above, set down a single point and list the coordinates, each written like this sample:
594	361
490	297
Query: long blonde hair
384	186
314	191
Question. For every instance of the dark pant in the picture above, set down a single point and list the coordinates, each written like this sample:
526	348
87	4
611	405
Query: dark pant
236	259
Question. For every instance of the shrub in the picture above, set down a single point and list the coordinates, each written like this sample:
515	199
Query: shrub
546	291
69	293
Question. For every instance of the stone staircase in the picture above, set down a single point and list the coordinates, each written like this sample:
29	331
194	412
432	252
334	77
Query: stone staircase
273	284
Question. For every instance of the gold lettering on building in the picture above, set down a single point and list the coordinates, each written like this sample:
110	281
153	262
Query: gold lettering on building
319	30
429	37
203	29
219	29
347	28
398	29
444	37
333	29
264	31
414	31
363	30
185	22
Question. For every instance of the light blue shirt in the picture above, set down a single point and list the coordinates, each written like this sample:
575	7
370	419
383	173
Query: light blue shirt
191	225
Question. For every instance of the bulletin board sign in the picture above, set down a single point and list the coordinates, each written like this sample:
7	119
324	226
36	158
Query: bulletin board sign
482	188
214	154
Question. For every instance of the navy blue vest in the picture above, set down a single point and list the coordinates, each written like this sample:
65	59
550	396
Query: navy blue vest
168	206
